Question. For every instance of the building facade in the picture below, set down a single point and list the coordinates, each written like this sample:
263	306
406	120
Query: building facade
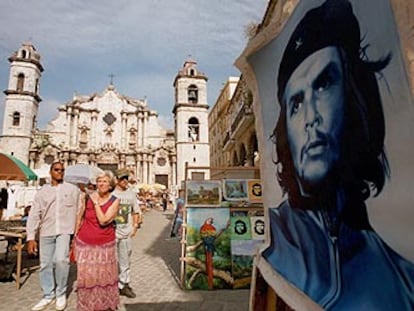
105	129
218	121
240	141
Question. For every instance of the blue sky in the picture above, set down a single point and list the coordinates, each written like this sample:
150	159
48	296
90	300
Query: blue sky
143	43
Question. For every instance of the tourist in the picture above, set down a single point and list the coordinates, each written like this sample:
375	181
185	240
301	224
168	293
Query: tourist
127	223
53	217
95	249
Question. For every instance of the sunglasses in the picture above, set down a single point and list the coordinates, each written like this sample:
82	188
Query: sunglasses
124	178
58	170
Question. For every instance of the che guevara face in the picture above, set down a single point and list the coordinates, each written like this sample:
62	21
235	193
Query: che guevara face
314	98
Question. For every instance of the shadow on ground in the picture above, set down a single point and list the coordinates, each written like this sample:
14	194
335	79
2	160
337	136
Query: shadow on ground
168	249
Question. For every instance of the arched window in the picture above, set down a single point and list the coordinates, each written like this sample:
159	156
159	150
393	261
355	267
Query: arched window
84	136
16	118
192	72
193	94
37	86
23	54
193	129
132	138
20	82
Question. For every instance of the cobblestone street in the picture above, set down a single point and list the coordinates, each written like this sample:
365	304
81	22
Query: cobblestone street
155	270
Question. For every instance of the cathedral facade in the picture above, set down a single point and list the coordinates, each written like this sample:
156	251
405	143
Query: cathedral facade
107	129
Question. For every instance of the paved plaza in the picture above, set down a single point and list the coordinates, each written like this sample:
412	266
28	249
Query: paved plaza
155	278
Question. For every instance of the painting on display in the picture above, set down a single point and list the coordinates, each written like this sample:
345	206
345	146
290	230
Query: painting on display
235	190
334	122
203	193
257	224
208	249
254	190
240	228
242	254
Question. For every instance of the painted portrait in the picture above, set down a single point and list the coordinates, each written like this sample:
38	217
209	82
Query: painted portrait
258	227
254	189
240	228
335	115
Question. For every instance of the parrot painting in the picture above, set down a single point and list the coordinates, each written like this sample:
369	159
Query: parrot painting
208	235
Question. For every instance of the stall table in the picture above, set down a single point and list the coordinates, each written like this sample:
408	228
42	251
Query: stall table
14	230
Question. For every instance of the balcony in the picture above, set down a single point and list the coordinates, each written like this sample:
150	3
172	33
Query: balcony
227	142
242	121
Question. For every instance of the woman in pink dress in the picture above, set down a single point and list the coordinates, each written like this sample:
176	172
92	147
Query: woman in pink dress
97	279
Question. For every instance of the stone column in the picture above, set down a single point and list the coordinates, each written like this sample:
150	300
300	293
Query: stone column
123	130
139	129
68	137
144	129
138	164
94	117
75	128
173	165
144	169
150	177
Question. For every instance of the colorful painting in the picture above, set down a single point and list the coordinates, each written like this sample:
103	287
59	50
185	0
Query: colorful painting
208	249
334	119
242	254
240	228
235	190
254	189
258	227
203	193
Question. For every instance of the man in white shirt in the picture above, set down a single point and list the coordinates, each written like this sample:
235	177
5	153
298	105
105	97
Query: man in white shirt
53	216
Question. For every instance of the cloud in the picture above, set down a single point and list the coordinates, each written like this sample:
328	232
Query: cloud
144	43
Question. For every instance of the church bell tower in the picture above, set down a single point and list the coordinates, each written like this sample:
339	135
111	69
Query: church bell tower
21	102
191	122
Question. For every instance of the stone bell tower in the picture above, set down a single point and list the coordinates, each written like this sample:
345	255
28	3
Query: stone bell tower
21	102
191	121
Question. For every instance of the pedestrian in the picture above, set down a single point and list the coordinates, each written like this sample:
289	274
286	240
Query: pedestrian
95	249
53	217
164	197
331	159
127	223
179	214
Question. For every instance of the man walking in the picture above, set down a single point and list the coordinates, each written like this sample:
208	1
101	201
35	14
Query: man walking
53	216
127	222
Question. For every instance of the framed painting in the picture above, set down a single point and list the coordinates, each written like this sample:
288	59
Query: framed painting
254	190
235	190
208	250
205	193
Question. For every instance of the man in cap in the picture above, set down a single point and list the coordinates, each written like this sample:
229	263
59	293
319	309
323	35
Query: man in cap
126	228
330	155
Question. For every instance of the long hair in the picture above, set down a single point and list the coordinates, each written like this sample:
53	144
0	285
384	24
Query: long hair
362	168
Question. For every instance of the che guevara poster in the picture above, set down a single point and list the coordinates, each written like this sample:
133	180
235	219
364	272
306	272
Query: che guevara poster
335	120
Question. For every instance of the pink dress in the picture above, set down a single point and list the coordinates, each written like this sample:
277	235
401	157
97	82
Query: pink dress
97	266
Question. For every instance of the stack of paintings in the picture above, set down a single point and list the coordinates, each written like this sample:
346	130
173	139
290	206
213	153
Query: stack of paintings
221	242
